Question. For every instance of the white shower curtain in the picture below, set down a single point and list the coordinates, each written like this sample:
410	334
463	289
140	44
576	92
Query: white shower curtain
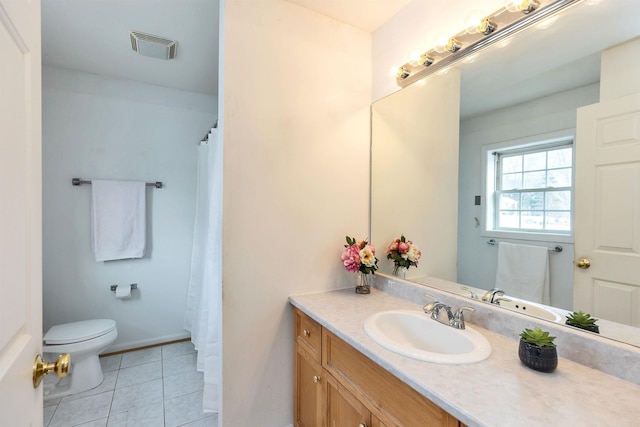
203	317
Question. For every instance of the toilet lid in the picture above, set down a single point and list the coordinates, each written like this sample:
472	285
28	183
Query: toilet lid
78	331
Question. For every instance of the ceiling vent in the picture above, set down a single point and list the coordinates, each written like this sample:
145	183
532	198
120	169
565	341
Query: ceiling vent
153	46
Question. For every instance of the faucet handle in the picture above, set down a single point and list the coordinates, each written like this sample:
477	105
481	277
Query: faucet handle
458	318
473	294
497	300
434	308
428	308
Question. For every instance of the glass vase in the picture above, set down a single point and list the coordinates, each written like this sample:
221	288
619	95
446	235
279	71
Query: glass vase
363	283
399	271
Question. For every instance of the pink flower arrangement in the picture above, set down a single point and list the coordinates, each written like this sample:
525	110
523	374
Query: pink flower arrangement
359	256
403	253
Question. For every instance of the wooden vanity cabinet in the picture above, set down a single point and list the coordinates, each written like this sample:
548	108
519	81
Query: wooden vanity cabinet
336	386
309	395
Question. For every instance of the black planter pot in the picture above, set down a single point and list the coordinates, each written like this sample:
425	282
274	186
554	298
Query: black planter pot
593	328
543	359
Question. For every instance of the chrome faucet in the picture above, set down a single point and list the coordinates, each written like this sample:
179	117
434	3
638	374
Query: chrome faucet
489	296
455	320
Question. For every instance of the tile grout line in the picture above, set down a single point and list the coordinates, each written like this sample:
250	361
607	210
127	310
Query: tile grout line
163	357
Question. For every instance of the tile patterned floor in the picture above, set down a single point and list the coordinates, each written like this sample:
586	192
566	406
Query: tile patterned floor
157	386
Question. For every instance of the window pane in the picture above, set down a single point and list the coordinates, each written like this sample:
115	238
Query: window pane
559	178
509	201
532	220
509	219
560	221
535	180
535	161
511	181
559	200
560	158
534	189
533	201
511	164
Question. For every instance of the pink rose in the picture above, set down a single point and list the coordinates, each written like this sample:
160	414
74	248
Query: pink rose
351	258
392	247
403	247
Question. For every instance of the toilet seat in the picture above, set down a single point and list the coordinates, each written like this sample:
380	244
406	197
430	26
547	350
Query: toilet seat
78	331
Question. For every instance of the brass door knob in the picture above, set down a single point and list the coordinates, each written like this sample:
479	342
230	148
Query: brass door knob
42	368
583	263
306	333
316	378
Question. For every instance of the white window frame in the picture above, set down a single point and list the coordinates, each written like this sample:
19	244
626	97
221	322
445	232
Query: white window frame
488	193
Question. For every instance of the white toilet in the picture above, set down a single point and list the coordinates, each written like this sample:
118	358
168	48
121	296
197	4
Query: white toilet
83	341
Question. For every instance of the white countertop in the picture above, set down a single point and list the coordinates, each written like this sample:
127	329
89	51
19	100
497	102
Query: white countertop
498	391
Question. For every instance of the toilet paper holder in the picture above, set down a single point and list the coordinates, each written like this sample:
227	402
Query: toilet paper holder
133	286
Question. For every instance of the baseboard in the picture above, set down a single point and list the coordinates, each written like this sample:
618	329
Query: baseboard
141	344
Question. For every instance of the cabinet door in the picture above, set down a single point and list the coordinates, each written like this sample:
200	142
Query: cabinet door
343	409
308	396
375	422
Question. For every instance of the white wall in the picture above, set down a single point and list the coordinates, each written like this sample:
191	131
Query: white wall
619	70
476	260
93	128
295	128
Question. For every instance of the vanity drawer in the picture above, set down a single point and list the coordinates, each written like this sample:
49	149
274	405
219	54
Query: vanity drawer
308	333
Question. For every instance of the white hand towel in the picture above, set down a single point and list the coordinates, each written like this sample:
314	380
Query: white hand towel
523	272
118	213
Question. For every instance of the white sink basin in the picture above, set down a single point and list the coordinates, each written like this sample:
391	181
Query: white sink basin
532	309
414	334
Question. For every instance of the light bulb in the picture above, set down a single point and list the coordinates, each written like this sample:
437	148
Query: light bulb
524	6
402	73
473	20
426	60
414	58
513	5
440	42
487	26
453	45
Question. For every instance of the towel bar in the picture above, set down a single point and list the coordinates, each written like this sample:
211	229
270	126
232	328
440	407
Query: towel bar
558	248
80	181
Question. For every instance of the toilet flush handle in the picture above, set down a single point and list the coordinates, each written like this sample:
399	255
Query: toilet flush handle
41	368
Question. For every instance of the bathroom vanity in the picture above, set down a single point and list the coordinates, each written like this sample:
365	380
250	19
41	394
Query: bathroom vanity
336	381
343	377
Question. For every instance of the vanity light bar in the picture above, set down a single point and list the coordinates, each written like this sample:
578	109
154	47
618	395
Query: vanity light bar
492	29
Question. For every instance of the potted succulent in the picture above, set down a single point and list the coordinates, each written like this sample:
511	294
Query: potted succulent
537	350
583	320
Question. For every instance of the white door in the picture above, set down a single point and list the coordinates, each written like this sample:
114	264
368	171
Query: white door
607	224
20	212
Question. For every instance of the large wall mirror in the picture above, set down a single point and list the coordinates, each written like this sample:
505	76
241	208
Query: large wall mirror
434	143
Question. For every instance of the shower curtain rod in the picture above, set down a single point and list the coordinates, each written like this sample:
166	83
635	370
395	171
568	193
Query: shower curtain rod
79	181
